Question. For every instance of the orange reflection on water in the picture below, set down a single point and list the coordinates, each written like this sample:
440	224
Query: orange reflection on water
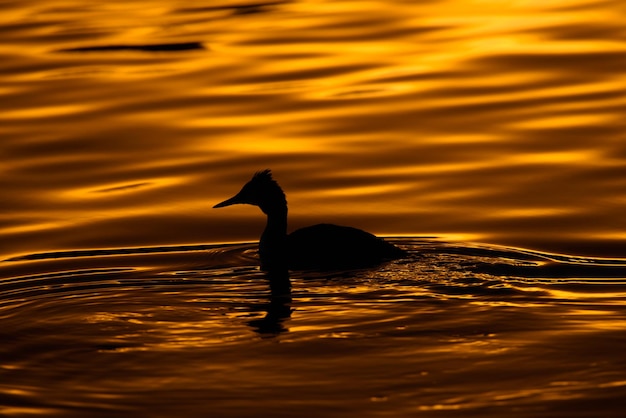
467	120
477	118
106	190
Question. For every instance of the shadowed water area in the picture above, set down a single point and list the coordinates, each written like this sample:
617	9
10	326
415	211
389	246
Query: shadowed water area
439	124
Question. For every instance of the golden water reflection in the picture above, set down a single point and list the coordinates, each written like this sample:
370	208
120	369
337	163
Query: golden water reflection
503	122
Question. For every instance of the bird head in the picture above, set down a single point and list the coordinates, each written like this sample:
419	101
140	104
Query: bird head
262	191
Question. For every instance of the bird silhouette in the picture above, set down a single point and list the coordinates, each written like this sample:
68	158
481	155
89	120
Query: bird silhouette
317	247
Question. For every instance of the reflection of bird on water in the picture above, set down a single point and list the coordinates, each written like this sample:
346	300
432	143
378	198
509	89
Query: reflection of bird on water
320	247
278	310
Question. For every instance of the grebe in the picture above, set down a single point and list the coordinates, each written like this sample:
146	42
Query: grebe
317	247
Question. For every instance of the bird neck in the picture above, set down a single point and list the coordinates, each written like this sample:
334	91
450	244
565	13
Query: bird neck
272	245
276	227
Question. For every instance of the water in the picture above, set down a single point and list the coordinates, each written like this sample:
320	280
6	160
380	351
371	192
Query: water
440	123
449	331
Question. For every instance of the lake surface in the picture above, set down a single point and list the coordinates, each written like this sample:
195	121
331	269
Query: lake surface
449	330
488	138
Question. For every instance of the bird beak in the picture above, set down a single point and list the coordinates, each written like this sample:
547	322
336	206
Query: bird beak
232	201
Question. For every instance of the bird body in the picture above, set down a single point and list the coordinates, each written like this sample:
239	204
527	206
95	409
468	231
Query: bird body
317	247
327	246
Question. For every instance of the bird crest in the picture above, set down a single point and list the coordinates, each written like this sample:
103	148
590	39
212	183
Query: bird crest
265	180
266	190
264	175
